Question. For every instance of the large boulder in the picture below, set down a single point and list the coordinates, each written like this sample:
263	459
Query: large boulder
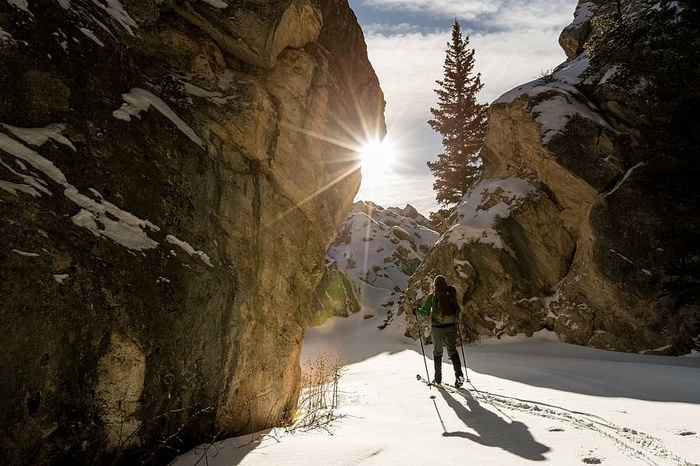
586	220
171	175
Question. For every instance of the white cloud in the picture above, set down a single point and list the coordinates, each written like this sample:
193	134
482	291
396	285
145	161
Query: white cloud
437	8
520	15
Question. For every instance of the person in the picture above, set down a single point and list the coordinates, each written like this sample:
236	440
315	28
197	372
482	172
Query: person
443	308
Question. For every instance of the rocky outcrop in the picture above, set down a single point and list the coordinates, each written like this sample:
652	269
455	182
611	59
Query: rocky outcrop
586	219
375	253
171	175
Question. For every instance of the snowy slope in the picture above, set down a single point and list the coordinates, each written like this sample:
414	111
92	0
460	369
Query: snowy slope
530	399
378	249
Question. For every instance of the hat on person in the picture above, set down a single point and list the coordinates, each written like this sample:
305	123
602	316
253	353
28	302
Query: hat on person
440	281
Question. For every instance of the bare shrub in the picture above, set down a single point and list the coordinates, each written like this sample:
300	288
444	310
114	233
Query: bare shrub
318	399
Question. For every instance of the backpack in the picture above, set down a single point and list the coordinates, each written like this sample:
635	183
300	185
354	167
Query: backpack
446	305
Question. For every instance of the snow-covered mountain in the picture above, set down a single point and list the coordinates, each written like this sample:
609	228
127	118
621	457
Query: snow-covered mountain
371	261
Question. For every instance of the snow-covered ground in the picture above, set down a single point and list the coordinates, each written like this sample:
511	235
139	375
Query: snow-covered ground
530	399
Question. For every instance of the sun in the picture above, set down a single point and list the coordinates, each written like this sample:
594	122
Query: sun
377	157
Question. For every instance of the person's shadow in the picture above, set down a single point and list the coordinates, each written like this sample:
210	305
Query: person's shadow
493	431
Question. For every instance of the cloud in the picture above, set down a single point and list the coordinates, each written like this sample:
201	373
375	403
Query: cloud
436	8
493	15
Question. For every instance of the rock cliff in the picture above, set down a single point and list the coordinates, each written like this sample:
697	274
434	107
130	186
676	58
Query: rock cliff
586	220
171	175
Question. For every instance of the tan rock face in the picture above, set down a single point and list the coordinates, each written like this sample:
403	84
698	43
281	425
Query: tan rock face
170	179
585	222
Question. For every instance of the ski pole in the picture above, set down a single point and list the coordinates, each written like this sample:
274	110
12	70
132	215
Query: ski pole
464	358
422	350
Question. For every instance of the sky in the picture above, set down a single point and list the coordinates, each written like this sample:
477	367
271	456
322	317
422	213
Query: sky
515	42
528	400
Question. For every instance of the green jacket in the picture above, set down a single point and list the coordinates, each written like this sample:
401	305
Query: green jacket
427	307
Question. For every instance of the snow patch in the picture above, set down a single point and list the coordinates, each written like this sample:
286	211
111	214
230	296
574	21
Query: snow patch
25	254
552	115
65	4
100	217
216	3
609	74
20	4
489	200
188	249
583	13
61	278
5	36
12	188
216	97
32	184
566	76
91	35
39	136
116	10
138	100
624	178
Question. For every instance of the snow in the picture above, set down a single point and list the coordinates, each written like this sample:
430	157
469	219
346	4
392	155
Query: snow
39	136
5	36
25	254
96	214
138	100
529	399
379	252
560	99
564	78
116	10
584	12
188	249
216	3
552	115
20	4
91	35
65	4
476	217
624	178
13	188
213	96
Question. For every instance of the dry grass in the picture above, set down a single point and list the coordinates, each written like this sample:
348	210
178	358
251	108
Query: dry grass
318	399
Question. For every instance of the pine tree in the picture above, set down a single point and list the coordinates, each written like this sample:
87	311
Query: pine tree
460	120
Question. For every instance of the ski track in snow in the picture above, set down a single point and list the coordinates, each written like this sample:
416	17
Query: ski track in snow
631	442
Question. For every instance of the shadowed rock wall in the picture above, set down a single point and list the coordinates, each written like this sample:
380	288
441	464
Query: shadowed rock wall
171	175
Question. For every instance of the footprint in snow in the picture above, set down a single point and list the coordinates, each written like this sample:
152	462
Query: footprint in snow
686	433
592	460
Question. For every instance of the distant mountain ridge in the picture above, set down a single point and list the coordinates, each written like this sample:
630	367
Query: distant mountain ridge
370	262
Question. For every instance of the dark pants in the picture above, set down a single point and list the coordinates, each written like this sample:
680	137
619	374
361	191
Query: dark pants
446	336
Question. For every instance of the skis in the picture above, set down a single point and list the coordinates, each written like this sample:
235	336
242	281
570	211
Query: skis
445	386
